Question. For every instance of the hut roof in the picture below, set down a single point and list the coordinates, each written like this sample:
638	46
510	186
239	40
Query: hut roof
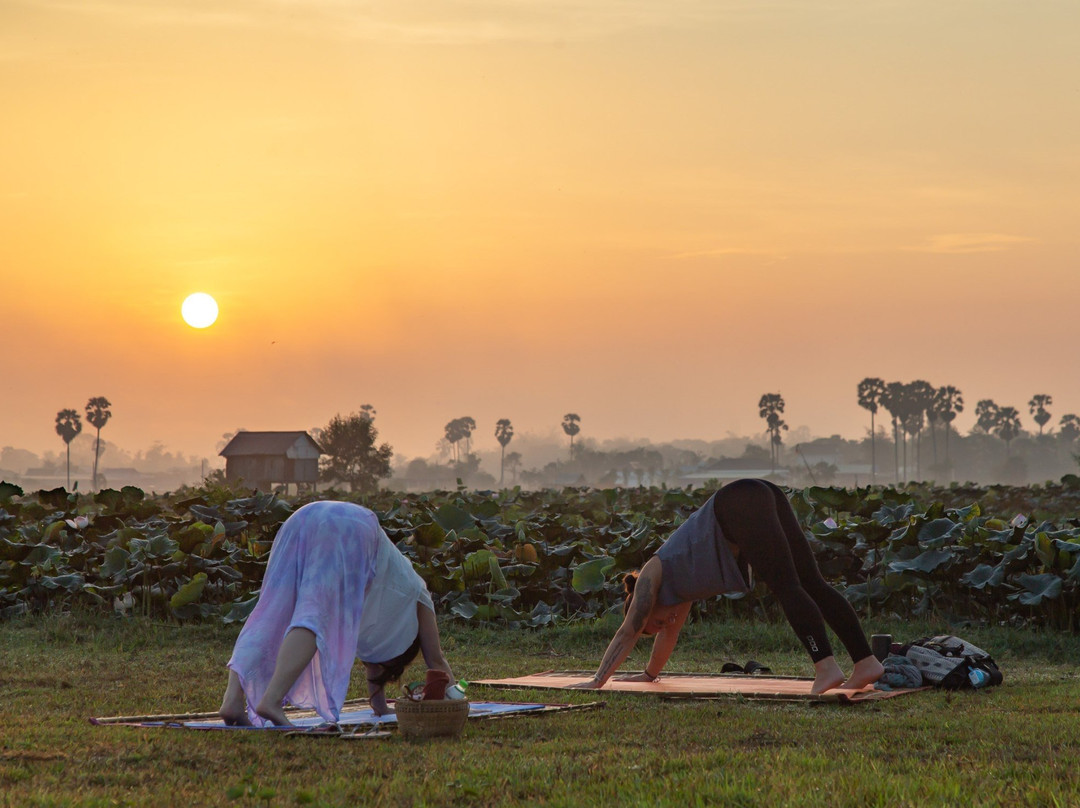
291	444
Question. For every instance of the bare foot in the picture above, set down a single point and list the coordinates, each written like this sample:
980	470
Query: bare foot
232	719
866	671
234	705
273	713
827	675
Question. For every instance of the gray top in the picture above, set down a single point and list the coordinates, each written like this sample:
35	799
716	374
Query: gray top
697	562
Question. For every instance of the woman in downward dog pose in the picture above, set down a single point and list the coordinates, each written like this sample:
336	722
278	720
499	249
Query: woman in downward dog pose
747	524
335	589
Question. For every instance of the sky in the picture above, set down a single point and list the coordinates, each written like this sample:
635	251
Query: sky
645	212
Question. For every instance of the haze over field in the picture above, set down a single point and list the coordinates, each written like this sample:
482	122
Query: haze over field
645	213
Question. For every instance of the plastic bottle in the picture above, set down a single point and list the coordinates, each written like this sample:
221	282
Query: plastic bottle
978	677
457	690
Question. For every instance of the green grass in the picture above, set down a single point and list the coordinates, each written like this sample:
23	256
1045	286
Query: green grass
1014	745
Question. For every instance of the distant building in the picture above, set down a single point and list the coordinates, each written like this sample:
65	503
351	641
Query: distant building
265	459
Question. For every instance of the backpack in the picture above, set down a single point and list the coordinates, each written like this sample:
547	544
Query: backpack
952	663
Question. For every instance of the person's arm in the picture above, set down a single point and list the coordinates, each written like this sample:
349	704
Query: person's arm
430	646
641	606
377	696
664	643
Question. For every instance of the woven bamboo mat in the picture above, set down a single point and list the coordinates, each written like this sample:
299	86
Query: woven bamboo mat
704	686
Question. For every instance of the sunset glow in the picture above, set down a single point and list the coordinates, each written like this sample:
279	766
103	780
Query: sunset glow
649	213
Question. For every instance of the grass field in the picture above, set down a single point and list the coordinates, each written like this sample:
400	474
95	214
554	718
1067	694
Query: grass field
1014	745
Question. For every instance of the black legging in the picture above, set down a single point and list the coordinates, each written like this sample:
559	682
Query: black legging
756	517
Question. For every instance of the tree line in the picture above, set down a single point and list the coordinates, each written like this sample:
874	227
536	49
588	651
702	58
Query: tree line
916	408
69	425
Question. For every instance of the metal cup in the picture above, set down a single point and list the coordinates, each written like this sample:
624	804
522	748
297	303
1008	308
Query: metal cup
881	645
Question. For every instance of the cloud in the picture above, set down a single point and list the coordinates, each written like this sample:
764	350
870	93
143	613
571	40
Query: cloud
956	243
718	252
435	21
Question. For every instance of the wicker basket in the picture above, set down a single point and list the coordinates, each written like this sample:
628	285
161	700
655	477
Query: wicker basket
444	718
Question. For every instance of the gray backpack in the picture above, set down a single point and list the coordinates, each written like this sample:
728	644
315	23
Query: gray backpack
950	662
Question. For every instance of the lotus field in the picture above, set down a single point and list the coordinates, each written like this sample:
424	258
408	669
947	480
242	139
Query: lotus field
989	556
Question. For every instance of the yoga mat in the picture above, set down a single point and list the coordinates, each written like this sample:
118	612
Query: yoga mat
703	686
356	718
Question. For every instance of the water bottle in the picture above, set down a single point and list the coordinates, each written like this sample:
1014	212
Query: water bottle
978	677
457	690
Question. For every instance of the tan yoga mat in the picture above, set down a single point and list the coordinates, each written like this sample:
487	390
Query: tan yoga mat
704	686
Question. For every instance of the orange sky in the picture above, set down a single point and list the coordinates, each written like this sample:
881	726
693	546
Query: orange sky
647	213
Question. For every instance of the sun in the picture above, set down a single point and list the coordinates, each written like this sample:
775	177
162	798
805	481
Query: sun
199	310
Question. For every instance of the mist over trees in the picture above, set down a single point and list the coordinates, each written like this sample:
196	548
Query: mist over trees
917	431
913	422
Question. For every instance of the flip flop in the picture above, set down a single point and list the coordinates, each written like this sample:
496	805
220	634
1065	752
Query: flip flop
753	666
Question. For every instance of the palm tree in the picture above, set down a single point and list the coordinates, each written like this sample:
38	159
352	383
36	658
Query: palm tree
504	432
1008	425
893	402
467	427
1069	427
68	425
1037	407
570	427
454	431
920	399
770	405
870	392
987	415
947	403
513	462
98	414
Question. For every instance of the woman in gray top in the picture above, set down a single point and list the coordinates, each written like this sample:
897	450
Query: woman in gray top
747	524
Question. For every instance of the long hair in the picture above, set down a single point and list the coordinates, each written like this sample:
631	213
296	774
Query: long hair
629	582
392	669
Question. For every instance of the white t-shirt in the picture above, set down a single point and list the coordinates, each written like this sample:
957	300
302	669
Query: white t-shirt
389	624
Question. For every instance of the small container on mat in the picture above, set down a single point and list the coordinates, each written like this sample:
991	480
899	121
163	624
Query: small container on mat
426	712
434	718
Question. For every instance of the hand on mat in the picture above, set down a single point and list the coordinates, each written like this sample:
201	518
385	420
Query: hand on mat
590	684
639	677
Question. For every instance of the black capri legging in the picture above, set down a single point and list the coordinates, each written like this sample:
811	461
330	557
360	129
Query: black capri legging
756	517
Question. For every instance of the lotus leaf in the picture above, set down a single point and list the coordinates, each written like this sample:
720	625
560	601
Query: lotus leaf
71	582
42	555
1037	588
57	498
971	512
926	562
838	499
1045	550
983	576
116	559
450	517
870	592
238	611
465	609
14	551
430	534
497	577
894	514
505	595
204	513
189	592
477	565
936	532
589	576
